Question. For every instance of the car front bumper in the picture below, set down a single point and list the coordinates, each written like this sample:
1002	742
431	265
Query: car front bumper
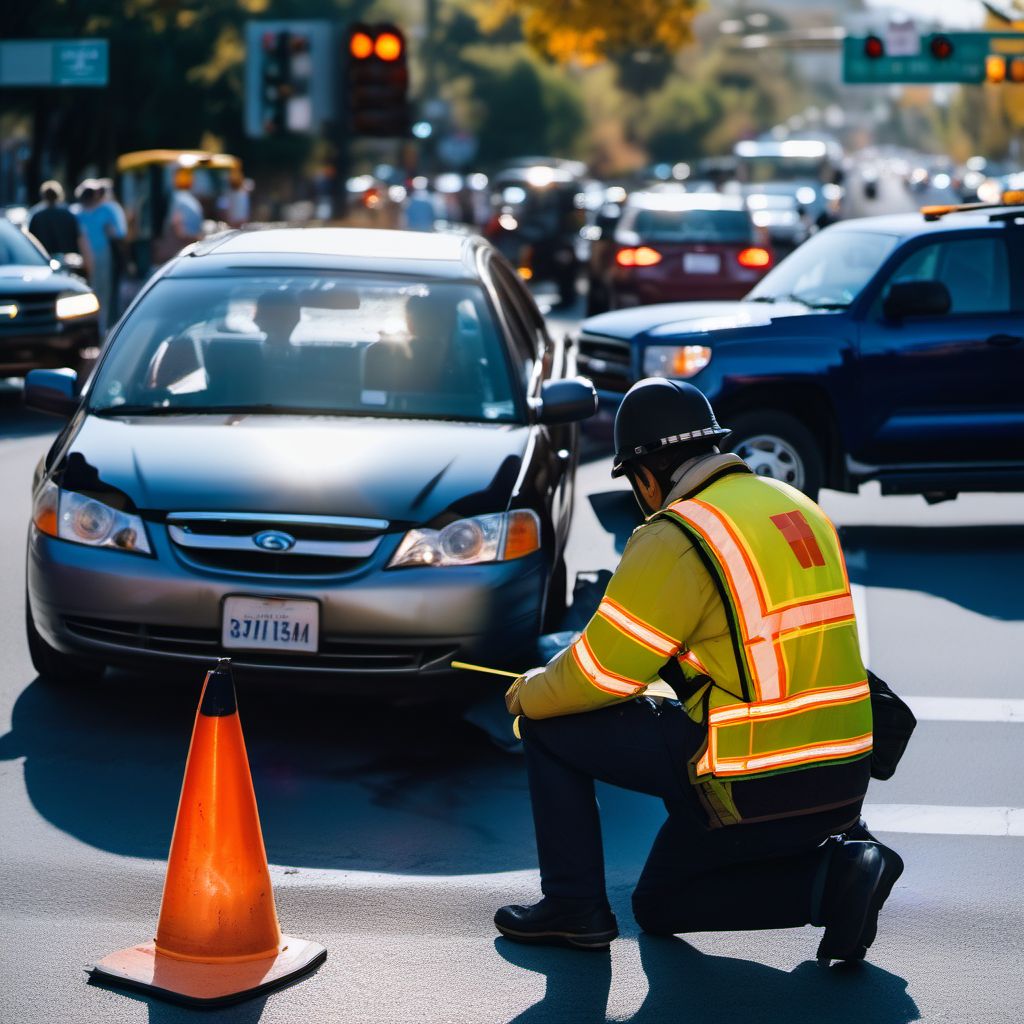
377	628
46	346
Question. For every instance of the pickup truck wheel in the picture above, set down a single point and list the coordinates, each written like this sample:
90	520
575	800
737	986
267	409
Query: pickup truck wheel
779	446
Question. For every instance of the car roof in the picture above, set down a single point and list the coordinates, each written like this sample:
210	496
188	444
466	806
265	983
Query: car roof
673	201
907	225
431	254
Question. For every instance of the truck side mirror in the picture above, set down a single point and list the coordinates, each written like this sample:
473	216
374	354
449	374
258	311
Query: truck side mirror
916	298
566	401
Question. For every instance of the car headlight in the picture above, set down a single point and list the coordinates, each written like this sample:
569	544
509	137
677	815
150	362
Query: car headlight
81	304
470	541
83	520
675	360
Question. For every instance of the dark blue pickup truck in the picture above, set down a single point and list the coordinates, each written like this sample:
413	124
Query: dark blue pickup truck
887	348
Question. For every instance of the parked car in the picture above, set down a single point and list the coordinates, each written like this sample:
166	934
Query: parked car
48	317
888	348
337	453
775	211
673	246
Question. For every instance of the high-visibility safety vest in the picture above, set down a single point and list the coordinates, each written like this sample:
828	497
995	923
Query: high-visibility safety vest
806	707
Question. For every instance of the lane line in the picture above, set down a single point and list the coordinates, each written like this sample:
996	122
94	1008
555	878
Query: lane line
928	819
966	709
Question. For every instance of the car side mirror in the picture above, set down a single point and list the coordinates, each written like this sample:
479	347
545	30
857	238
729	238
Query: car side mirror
916	298
52	391
565	401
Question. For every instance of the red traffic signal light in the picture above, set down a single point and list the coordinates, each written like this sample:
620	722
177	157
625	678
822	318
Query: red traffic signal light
874	48
941	47
388	46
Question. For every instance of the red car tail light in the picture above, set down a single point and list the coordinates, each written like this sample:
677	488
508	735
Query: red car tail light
645	256
754	258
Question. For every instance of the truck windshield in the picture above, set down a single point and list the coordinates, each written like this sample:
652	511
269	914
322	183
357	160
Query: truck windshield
827	272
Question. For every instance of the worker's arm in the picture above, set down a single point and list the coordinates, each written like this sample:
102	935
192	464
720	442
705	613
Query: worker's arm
658	595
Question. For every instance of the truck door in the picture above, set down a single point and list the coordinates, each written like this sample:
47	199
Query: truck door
948	388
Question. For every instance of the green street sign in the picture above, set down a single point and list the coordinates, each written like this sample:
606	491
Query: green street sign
965	62
81	62
54	62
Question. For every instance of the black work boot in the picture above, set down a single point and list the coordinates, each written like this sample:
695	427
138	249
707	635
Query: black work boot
555	921
860	877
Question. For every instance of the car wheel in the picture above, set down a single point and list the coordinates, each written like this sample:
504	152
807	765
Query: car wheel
556	604
54	666
779	446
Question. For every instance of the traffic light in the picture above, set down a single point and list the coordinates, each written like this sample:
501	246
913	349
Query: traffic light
1015	70
378	81
874	48
995	69
941	47
275	80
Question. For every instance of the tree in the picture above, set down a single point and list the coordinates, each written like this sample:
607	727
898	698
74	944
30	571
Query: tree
587	31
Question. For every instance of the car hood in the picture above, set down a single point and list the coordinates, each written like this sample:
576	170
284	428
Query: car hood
400	470
18	279
672	318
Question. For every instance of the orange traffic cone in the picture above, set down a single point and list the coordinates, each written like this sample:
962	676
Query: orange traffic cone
217	940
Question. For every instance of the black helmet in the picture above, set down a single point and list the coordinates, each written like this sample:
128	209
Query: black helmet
657	413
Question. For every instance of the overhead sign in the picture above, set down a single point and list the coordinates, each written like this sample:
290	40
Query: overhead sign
54	62
940	57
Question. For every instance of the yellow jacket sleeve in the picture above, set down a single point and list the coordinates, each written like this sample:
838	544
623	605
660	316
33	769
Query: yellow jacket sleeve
656	600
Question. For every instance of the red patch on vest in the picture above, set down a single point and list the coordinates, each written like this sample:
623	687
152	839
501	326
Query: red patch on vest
797	531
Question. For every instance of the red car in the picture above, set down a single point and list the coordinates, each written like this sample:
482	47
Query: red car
677	247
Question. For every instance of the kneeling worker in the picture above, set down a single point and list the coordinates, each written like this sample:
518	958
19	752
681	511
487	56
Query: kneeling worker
721	673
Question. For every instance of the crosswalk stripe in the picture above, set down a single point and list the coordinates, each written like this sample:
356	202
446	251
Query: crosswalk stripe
933	819
966	709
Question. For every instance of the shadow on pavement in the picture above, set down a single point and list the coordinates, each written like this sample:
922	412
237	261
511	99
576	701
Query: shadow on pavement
687	985
618	514
976	567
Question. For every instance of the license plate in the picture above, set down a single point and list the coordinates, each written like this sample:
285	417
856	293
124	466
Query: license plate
270	624
701	263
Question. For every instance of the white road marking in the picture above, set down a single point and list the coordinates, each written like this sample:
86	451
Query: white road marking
948	821
859	593
966	709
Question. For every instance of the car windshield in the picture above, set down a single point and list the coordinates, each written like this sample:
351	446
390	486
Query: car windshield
17	250
668	226
827	272
328	343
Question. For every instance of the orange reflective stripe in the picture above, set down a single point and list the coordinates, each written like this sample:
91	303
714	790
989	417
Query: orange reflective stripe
817	612
610	682
791	758
636	629
790	705
691	659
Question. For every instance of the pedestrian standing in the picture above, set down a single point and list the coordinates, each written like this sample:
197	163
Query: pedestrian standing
100	225
118	246
184	223
236	202
53	224
721	673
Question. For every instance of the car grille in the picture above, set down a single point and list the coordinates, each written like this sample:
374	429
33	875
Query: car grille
606	361
335	654
320	545
33	311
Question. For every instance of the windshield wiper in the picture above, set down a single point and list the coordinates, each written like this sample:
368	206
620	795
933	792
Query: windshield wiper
139	410
764	298
817	305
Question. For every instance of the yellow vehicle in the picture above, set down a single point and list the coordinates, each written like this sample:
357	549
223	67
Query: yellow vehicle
146	182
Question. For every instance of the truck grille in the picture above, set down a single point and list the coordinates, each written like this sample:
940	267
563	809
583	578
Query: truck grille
606	361
275	545
33	311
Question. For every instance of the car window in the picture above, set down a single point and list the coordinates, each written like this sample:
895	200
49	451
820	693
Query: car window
349	345
524	336
668	226
16	249
975	270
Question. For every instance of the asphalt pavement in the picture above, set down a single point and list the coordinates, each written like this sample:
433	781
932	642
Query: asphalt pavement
395	832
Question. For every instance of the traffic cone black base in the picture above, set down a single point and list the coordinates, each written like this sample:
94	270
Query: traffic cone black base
143	969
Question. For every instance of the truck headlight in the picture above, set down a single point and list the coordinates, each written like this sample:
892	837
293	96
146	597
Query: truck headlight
84	520
82	304
675	360
471	541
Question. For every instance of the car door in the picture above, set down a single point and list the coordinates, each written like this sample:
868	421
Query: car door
555	446
948	388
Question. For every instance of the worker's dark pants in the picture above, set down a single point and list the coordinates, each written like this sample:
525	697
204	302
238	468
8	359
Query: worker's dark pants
761	875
